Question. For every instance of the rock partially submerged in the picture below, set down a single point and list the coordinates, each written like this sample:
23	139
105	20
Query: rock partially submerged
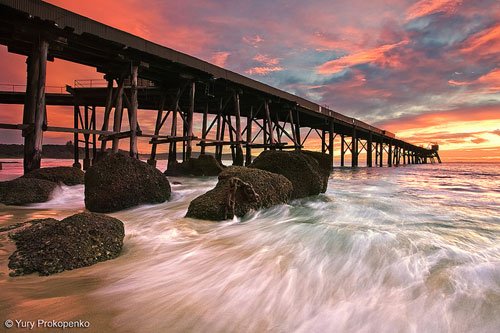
50	246
324	163
238	191
66	175
304	171
22	191
204	165
118	182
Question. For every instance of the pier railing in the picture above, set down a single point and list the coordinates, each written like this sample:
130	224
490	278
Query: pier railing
7	87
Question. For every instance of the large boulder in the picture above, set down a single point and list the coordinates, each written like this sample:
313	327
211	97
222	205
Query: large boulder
66	175
238	191
301	169
23	191
117	182
324	163
204	165
50	246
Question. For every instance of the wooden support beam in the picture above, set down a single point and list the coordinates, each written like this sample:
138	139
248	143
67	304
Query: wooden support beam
323	141
221	136
216	143
15	126
173	139
86	137
369	151
269	122
354	148
217	131
297	130
172	149
94	135
238	151
331	137
342	150
231	138
293	128
107	109
34	109
115	136
189	119
204	128
282	145
278	127
77	130
381	154
389	155
264	130
117	121
248	153
134	105
76	150
158	125
394	154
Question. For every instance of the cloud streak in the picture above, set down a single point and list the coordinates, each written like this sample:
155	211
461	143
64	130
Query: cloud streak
376	55
428	7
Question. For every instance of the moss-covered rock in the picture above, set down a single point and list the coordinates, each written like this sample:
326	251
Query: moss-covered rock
204	165
117	182
66	175
302	170
49	246
23	191
238	191
324	163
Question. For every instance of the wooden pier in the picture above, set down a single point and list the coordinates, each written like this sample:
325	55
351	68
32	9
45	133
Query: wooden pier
196	103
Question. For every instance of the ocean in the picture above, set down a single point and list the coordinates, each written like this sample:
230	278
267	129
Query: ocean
404	249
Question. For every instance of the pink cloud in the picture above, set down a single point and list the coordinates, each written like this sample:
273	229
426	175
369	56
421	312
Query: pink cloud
348	40
377	54
485	42
220	58
263	70
253	40
426	7
266	60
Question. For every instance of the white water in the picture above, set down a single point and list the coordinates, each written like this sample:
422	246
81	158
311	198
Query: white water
411	249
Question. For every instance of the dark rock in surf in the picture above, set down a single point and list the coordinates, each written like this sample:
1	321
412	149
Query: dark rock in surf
23	191
305	173
239	191
49	246
204	165
118	182
66	175
324	163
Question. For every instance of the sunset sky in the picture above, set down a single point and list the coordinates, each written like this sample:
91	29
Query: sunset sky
427	70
